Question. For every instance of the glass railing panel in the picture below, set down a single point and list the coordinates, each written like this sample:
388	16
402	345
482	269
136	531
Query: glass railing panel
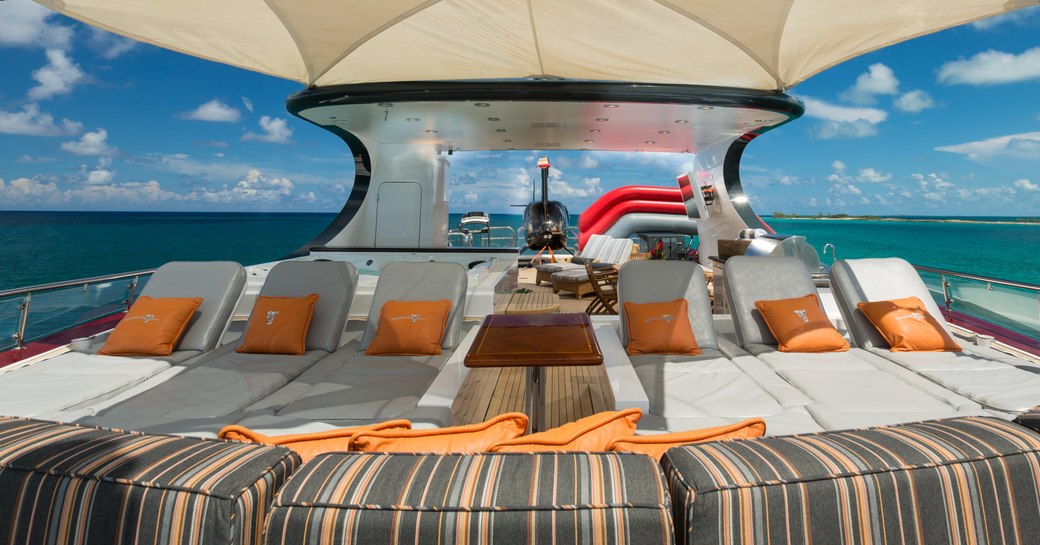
55	310
9	316
1011	307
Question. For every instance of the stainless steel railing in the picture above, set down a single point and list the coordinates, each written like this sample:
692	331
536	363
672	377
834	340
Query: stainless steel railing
21	333
488	239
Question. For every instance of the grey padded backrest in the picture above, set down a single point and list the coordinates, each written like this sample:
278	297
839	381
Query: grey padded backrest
333	281
659	281
423	281
749	279
856	281
219	283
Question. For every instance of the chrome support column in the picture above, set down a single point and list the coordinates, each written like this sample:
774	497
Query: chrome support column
23	320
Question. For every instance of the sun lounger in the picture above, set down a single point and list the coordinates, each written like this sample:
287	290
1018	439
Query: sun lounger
571	277
364	387
847	389
79	378
995	380
687	392
228	381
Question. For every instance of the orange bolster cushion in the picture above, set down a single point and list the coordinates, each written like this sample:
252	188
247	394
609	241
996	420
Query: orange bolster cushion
410	328
660	328
908	327
278	325
152	327
455	439
657	445
309	445
592	433
800	325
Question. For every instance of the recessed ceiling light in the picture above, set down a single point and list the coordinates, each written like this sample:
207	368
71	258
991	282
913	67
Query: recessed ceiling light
602	119
512	149
664	132
481	104
385	105
412	119
332	117
589	141
705	107
649	142
594	130
494	119
431	131
610	105
501	130
681	121
760	121
508	140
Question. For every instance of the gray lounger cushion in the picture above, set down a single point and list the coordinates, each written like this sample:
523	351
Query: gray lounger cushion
963	480
604	498
750	279
704	385
71	484
984	375
426	281
219	283
879	279
658	281
76	378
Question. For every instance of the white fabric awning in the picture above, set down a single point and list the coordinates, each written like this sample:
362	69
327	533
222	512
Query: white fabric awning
756	44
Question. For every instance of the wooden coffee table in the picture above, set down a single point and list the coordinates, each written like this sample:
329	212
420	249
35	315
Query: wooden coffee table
535	341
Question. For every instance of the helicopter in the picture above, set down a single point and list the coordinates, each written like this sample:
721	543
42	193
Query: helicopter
545	221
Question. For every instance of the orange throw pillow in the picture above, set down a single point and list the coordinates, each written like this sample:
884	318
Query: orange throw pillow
908	327
410	328
660	328
800	325
592	433
309	445
455	439
152	327
278	325
657	445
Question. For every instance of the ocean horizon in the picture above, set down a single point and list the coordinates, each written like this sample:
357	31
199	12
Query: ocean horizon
49	246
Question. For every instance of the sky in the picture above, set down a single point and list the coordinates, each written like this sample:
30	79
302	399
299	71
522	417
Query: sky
946	124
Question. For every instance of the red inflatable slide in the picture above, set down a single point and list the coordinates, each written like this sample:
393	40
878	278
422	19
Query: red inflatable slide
615	204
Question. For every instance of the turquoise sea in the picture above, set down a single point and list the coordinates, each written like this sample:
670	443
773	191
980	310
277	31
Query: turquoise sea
41	247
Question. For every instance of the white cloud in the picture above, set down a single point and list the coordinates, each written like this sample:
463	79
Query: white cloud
992	67
130	192
109	46
255	187
914	101
248	104
1023	145
870	175
588	161
91	143
27	24
32	122
26	189
1017	18
101	174
57	77
470	198
276	131
843	121
215	111
878	80
1026	185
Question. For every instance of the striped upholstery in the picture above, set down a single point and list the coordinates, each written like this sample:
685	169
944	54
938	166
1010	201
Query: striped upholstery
71	485
963	480
345	498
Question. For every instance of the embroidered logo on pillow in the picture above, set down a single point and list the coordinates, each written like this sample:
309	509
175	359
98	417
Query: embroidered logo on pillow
410	328
803	315
279	325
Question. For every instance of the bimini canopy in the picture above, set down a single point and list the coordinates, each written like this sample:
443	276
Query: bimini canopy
753	44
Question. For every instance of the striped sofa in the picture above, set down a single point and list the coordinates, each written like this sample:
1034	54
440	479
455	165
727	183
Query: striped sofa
501	498
74	485
961	480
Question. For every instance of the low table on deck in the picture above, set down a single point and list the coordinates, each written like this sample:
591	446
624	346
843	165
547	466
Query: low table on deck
534	302
535	341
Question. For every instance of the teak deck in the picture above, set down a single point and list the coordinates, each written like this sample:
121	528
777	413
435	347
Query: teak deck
572	392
